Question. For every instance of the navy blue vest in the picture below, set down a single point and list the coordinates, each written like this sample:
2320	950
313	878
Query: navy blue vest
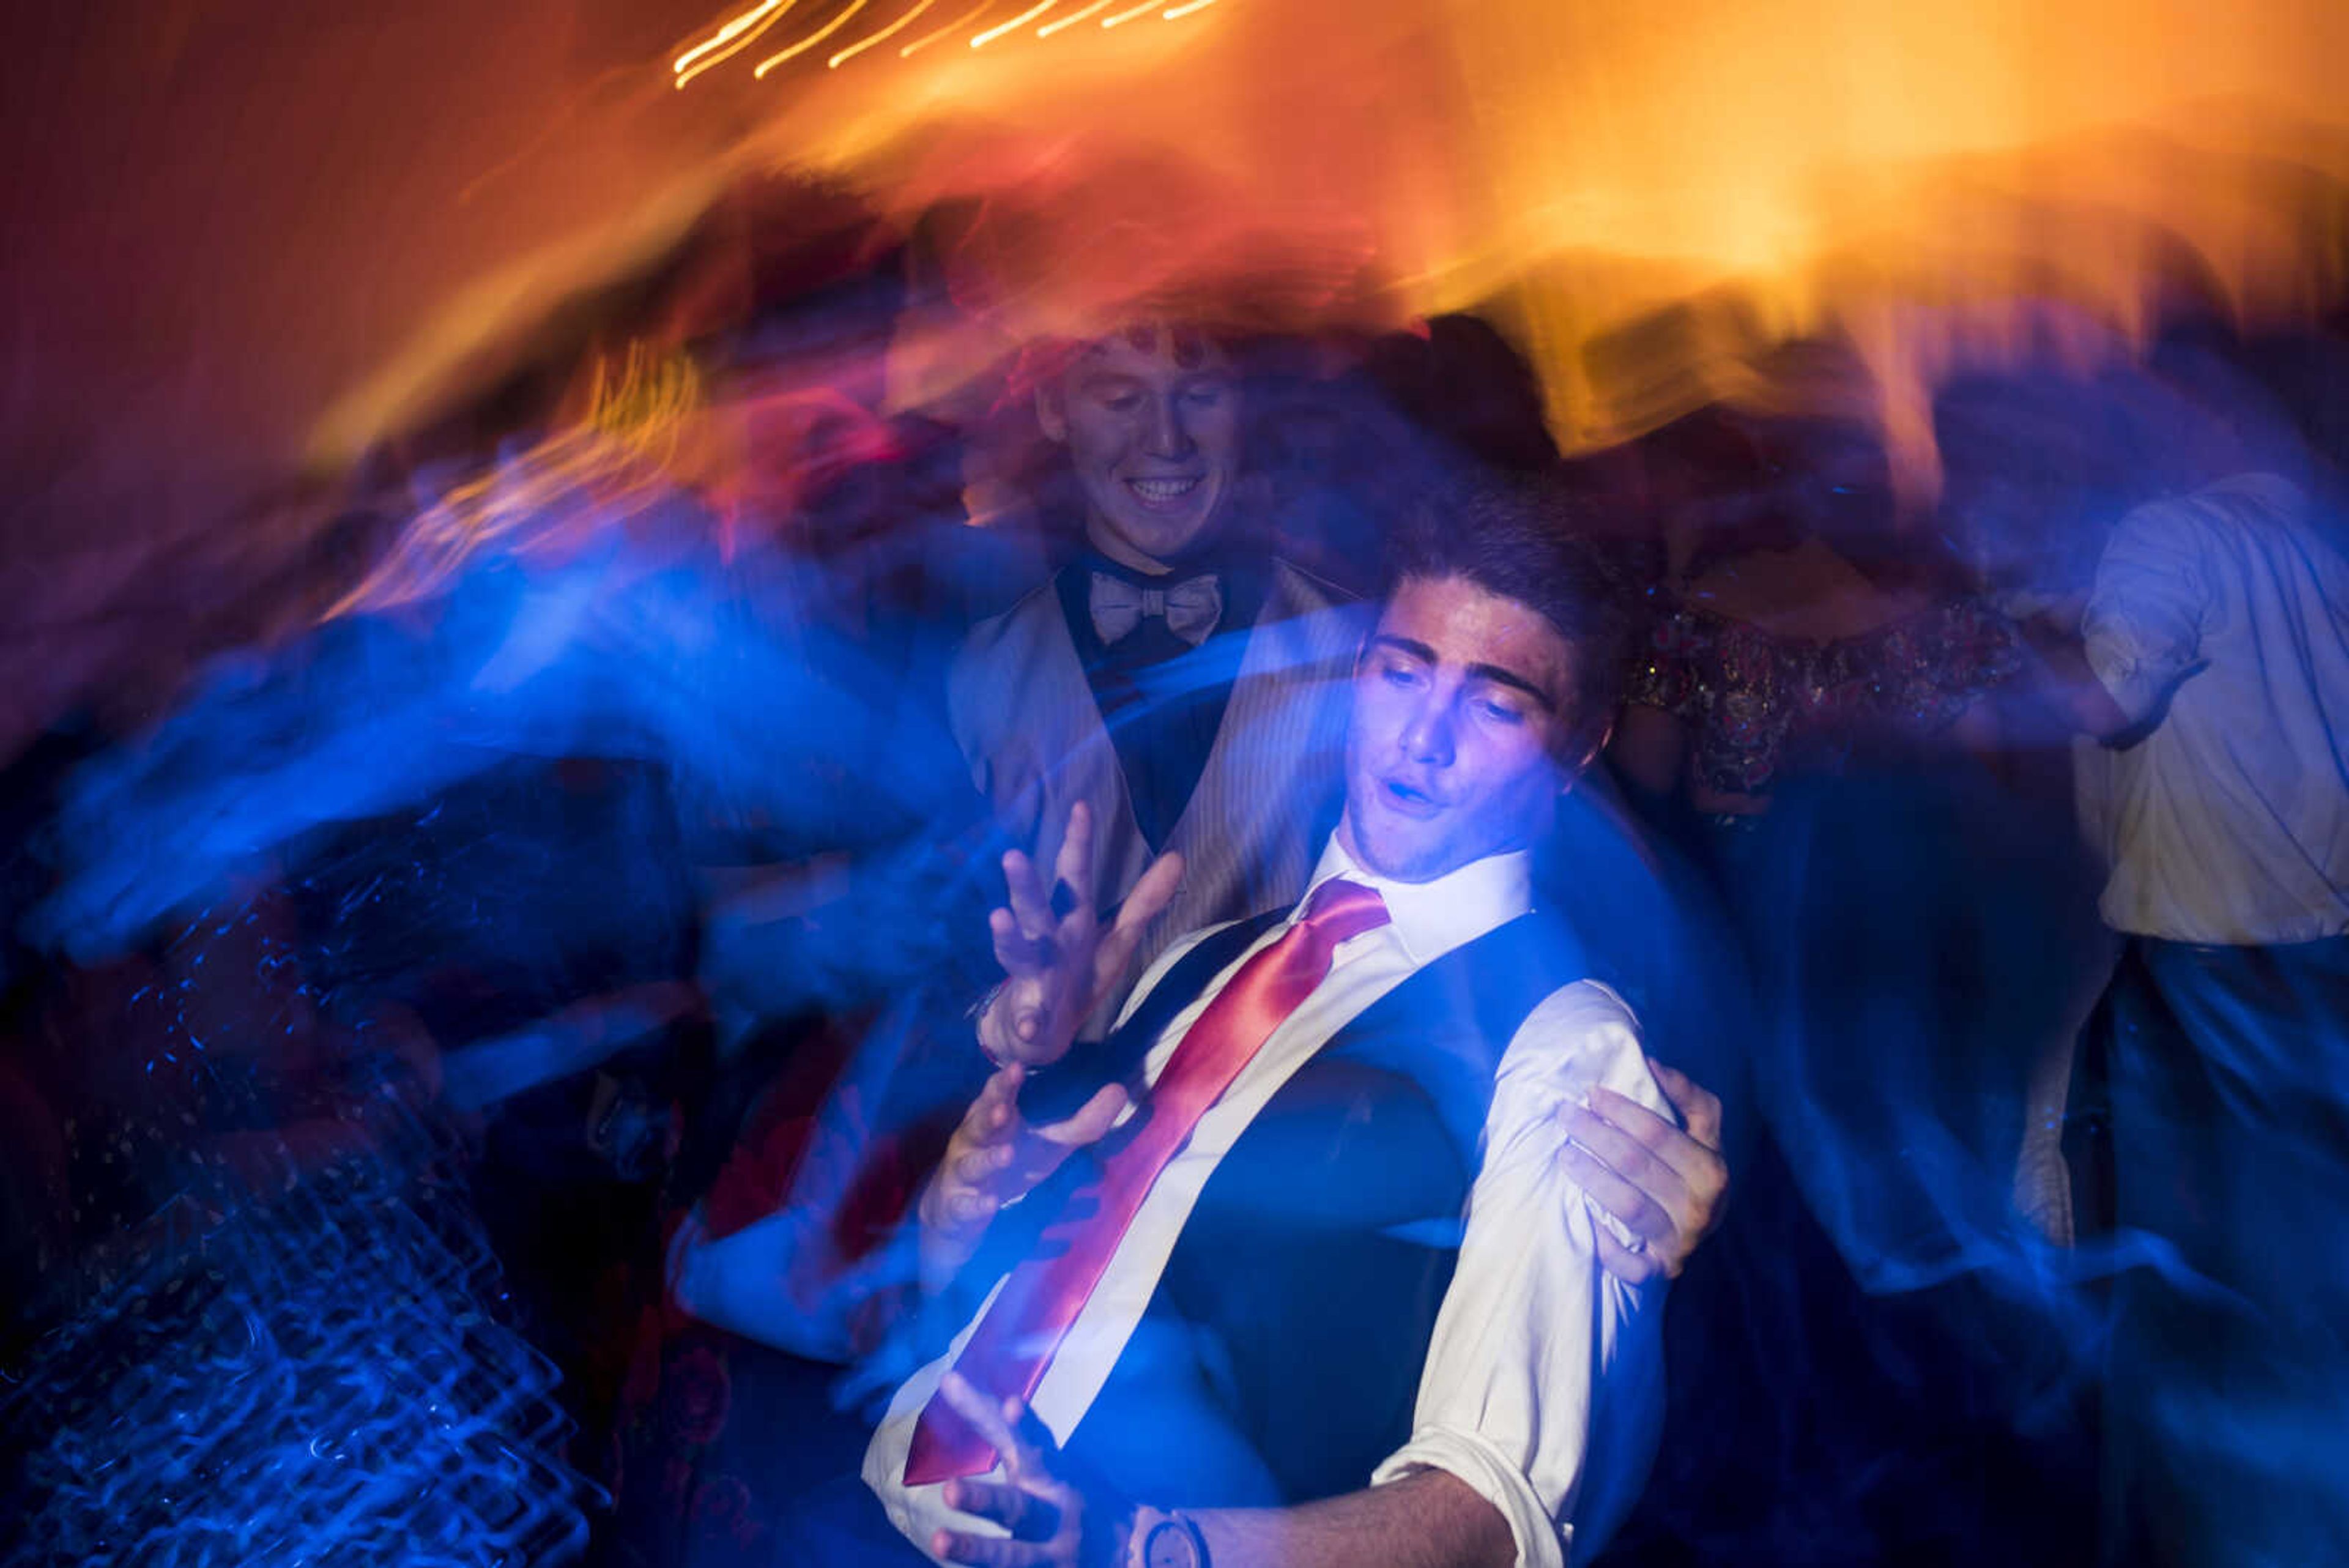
1280	1359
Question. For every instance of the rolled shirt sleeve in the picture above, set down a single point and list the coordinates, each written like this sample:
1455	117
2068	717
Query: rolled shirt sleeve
1544	1388
2143	626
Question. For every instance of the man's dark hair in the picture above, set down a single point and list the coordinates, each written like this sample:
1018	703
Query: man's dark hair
1535	541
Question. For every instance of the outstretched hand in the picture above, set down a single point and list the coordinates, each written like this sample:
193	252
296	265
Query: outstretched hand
1059	963
1668	1186
996	1158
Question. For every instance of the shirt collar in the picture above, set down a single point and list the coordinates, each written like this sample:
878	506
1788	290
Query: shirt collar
1430	919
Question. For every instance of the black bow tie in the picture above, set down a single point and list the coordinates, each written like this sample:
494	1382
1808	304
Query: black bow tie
1191	607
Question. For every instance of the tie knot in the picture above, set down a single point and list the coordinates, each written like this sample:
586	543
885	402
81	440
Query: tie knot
1338	909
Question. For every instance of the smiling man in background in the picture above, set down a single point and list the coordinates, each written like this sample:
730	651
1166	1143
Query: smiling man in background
1178	679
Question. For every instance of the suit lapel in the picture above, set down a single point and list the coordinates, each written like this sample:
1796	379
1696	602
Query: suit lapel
1247	833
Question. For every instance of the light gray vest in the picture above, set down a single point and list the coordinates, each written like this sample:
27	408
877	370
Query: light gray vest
1025	720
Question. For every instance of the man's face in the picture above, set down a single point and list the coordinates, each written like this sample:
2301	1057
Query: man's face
1152	422
1464	735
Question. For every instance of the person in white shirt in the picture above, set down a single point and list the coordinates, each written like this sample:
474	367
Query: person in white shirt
1193	1329
2218	635
2218	626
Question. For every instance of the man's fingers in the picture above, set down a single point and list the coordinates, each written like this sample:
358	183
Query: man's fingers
1073	867
1698	1107
1699	1201
1031	906
1694	1163
1627	1155
1031	1438
1005	1505
985	1551
1630	1267
1092	1118
985	1416
973	1167
1155	890
1021	955
1020	1010
1027	1516
964	1209
1027	1012
997	1038
1640	1213
1151	895
990	1110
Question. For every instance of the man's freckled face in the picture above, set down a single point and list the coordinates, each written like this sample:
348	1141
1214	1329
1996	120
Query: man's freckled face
1152	423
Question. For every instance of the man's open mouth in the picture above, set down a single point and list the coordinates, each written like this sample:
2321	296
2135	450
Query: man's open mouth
1408	800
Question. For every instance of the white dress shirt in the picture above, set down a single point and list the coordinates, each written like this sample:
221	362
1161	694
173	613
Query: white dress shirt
2228	823
1511	1401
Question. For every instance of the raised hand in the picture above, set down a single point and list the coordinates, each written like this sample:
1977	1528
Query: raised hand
1059	964
995	1157
1668	1186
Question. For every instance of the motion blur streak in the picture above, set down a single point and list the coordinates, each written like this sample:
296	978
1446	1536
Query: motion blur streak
891	31
269	318
957	25
1073	18
629	436
811	40
1584	169
730	40
981	40
1646	201
325	1373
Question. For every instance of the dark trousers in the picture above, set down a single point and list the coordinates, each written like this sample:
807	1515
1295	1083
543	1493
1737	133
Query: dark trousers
2228	1400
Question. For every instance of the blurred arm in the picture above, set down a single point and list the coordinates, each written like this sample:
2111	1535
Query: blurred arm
2141	633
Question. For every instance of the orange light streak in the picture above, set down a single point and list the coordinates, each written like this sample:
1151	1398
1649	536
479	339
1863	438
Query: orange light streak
1177	13
1130	16
736	36
731	39
981	40
891	31
926	39
1073	18
614	462
810	42
724	34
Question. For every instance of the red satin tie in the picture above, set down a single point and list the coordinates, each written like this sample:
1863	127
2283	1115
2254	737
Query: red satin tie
1015	1342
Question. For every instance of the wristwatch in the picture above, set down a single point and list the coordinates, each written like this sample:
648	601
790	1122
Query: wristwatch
1163	1538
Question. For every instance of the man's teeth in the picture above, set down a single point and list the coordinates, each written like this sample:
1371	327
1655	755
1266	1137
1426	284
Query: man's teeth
1162	489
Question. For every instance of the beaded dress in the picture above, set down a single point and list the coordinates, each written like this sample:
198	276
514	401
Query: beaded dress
1760	705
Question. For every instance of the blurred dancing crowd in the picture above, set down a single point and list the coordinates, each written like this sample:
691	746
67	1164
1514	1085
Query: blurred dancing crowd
1756	1004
